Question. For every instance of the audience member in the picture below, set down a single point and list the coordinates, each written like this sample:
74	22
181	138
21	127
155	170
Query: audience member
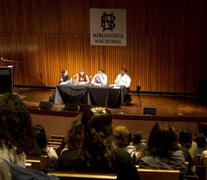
137	144
122	136
41	141
97	151
16	132
161	150
188	158
200	139
17	138
136	147
185	140
4	171
73	137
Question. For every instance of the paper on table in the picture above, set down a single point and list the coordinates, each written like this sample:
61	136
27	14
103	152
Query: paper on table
64	83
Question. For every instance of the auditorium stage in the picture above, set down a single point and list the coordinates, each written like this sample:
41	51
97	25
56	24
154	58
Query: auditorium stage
180	111
165	105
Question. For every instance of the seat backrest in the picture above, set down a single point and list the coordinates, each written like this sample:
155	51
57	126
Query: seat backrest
198	159
82	176
159	174
204	160
38	163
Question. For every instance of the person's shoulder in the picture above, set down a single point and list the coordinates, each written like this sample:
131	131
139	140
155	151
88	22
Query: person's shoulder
178	154
127	76
122	156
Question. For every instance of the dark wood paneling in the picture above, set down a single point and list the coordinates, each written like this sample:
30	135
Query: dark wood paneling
166	43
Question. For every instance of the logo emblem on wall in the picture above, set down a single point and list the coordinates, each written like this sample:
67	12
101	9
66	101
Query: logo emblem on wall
108	27
107	21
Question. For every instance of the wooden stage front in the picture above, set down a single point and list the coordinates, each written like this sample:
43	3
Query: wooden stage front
180	111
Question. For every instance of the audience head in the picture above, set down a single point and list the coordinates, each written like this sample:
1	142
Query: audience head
185	138
162	139
200	139
122	136
137	138
41	138
123	70
98	142
16	128
74	135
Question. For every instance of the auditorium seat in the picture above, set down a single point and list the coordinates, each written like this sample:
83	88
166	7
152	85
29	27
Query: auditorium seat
57	137
57	142
39	163
159	174
201	172
198	159
82	176
186	167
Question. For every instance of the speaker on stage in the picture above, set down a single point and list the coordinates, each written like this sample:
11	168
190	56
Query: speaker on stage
150	110
45	105
71	107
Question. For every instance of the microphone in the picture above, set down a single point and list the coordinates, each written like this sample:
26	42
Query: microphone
10	61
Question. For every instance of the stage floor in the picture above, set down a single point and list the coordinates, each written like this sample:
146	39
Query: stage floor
165	105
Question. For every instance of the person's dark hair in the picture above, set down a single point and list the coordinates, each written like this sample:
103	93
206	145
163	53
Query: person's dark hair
124	69
122	136
161	140
15	122
41	138
63	71
185	138
74	135
137	138
102	70
200	139
98	140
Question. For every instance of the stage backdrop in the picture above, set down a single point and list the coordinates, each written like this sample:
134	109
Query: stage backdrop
165	51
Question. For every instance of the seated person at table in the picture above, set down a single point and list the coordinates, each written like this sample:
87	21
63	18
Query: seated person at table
95	149
81	78
100	78
64	77
123	79
161	151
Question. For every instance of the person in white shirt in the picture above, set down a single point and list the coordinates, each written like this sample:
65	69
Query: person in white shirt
100	79
123	79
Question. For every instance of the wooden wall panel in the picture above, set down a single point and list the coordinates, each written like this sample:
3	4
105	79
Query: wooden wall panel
166	42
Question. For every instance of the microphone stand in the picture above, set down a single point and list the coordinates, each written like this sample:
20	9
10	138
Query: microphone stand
11	61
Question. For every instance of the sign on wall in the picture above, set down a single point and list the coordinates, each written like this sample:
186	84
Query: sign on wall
108	27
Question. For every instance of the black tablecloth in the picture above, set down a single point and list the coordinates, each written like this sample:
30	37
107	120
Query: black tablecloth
92	95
